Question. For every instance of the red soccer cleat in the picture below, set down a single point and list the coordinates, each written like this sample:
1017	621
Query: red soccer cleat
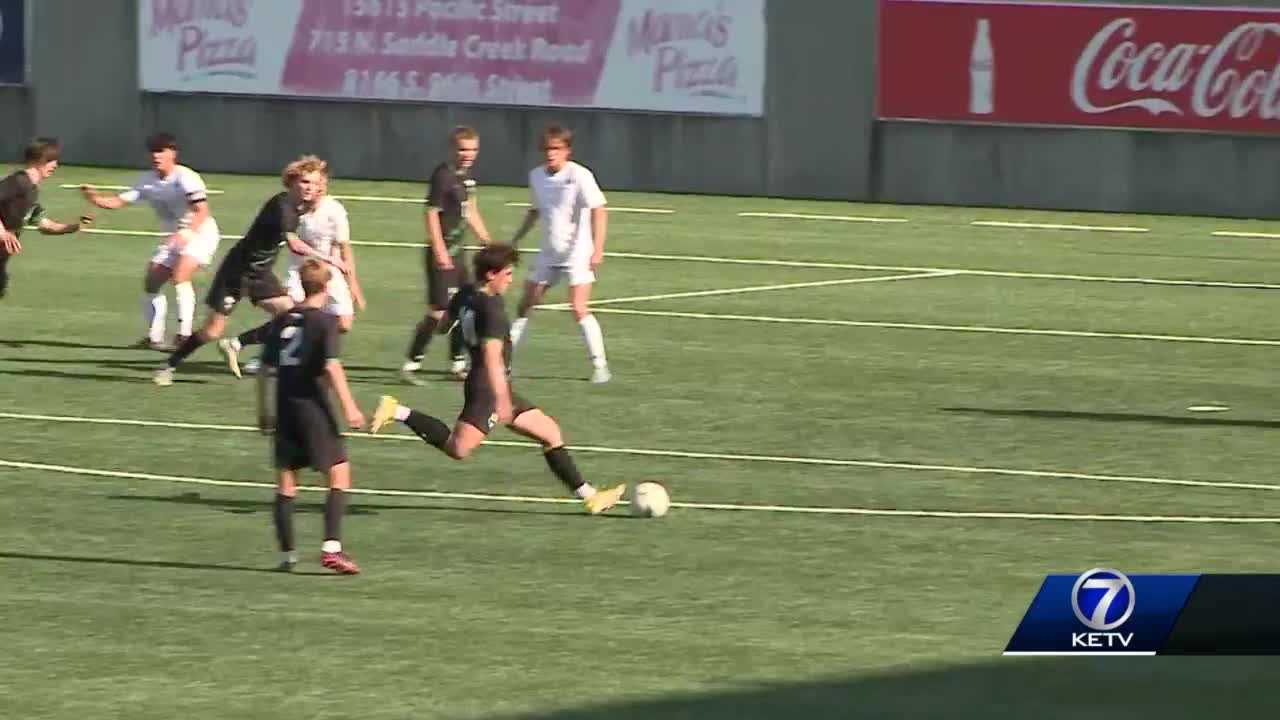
339	563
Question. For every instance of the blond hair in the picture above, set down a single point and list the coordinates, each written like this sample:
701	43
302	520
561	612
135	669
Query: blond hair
315	277
304	165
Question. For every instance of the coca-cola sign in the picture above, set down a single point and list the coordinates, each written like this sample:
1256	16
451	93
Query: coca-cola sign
1177	68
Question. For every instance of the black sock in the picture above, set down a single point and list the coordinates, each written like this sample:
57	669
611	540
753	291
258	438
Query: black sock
284	522
185	349
456	348
421	337
256	336
428	428
561	463
4	273
335	506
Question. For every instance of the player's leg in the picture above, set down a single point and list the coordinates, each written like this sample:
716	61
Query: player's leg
155	306
534	424
215	324
282	516
267	294
457	443
534	290
441	286
332	555
4	273
184	294
580	284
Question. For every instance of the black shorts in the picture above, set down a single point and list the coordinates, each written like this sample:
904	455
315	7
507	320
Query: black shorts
442	285
307	436
479	406
234	281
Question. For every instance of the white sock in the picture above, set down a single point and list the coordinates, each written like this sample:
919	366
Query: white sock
154	309
331	546
517	330
584	491
186	297
594	337
402	413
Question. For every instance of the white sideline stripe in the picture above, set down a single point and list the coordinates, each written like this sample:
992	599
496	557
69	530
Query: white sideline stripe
1051	474
757	288
925	326
1243	234
821	265
1059	226
382	198
613	208
72	186
837	218
799	509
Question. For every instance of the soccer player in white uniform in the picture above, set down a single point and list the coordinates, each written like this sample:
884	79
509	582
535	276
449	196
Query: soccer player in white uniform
181	203
569	202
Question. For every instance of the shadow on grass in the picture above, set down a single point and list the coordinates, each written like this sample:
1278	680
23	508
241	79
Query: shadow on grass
169	564
356	506
1116	417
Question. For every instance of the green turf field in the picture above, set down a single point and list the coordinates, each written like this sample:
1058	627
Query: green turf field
1029	412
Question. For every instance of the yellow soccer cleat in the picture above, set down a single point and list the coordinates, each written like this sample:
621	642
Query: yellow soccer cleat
385	413
230	349
605	499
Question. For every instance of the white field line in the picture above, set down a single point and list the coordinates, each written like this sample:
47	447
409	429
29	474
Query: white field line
835	218
757	288
925	326
821	265
1245	234
1058	226
797	509
613	208
781	459
70	186
383	198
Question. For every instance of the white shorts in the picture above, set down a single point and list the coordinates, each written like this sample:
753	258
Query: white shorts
201	248
576	274
340	303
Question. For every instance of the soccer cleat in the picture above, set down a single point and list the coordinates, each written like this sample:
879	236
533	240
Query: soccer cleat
231	353
605	499
163	377
287	566
339	563
147	343
458	370
601	375
385	413
253	366
407	372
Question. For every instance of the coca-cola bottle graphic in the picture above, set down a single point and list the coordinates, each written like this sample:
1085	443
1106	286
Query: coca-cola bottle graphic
982	71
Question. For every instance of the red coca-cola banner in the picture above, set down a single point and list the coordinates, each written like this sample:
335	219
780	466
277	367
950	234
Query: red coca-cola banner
1036	63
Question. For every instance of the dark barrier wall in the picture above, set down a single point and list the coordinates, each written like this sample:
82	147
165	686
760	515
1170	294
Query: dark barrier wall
819	138
15	109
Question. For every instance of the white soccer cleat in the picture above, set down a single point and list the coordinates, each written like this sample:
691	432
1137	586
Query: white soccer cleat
253	366
407	372
163	377
601	375
230	349
458	369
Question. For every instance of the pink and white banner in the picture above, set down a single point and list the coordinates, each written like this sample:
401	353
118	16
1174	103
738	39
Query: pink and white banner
699	56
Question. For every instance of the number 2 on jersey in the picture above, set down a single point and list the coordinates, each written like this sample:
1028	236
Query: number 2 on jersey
292	336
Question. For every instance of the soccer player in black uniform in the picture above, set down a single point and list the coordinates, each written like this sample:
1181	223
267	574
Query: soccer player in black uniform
247	268
301	355
488	396
20	203
451	209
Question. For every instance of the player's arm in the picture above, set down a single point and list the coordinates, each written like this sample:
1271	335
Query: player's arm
199	214
477	223
348	255
530	219
298	247
48	226
338	381
593	198
197	194
496	368
435	239
107	201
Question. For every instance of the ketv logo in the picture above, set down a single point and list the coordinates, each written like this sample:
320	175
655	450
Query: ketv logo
1101	612
1102	600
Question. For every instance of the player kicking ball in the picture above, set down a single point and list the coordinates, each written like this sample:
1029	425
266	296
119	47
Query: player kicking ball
301	356
488	399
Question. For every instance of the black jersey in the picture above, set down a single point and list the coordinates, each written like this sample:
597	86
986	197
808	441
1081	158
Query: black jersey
299	344
261	245
19	202
449	192
482	317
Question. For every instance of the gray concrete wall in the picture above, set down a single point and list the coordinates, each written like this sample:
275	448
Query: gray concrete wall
15	108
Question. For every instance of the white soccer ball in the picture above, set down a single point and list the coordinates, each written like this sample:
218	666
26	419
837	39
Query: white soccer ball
650	499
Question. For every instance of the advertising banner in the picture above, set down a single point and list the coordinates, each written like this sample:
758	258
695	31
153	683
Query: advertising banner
1036	63
698	56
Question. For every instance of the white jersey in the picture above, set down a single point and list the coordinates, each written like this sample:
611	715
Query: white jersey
324	228
565	200
170	197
